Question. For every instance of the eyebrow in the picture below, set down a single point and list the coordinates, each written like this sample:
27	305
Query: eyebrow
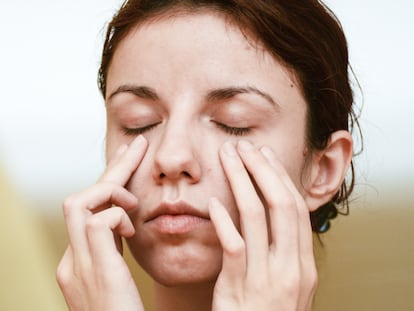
229	92
215	95
139	91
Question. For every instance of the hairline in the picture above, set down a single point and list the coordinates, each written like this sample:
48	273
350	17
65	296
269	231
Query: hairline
183	9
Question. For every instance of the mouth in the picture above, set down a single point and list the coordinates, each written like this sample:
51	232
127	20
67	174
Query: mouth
176	218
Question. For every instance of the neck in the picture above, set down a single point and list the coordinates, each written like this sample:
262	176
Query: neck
193	297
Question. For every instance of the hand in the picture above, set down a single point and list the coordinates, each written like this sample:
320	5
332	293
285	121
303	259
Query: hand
92	273
270	265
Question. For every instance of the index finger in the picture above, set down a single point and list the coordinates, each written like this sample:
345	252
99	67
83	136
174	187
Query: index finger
120	171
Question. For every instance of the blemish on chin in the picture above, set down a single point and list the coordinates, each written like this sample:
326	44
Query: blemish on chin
305	151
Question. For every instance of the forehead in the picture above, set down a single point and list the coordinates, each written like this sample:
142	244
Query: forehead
202	46
205	34
200	24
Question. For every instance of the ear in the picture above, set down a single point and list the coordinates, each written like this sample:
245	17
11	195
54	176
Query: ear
328	170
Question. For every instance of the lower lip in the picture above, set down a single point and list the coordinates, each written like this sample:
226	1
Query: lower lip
177	224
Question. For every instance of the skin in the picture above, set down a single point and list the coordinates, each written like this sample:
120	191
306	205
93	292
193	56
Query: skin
197	114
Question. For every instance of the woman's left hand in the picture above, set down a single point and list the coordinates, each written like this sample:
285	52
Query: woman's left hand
269	265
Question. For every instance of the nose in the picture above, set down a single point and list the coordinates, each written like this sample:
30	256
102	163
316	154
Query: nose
177	157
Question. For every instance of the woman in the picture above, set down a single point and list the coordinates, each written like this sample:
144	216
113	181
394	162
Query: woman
227	143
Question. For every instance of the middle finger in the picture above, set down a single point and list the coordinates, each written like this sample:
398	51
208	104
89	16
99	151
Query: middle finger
252	213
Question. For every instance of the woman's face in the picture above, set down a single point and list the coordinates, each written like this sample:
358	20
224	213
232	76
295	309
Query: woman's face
189	84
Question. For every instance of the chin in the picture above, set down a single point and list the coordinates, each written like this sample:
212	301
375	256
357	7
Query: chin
181	264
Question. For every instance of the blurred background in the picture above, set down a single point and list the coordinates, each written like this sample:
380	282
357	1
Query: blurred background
52	131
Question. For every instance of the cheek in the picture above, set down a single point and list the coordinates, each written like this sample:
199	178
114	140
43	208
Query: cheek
220	188
141	181
114	139
293	159
297	170
294	166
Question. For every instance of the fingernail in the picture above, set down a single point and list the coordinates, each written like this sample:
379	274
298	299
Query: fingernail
267	152
245	146
214	202
121	149
229	149
140	140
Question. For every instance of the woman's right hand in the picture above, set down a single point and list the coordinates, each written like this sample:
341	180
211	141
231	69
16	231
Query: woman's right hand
92	273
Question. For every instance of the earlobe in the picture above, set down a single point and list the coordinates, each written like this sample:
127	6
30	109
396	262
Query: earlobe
328	169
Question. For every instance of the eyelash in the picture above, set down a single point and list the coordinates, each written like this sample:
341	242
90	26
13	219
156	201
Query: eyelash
236	131
139	130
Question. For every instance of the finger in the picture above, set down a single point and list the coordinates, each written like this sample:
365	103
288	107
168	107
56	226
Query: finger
100	229
79	207
126	162
305	228
308	271
118	153
252	214
281	203
64	271
66	278
234	254
106	194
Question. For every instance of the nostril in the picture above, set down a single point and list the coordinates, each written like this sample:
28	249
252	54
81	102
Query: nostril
183	174
173	167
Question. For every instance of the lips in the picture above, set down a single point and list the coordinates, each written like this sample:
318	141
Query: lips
176	218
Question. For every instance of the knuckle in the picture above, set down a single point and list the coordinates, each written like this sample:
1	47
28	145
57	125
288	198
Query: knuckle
112	189
313	279
314	285
287	201
63	275
118	211
107	185
236	248
255	213
94	223
291	292
291	284
293	281
69	204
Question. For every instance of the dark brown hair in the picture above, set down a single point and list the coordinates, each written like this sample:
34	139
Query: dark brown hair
303	34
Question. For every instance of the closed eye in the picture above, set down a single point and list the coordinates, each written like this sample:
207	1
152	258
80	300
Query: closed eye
231	130
139	130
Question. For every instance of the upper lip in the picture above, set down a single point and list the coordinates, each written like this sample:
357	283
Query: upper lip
176	208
